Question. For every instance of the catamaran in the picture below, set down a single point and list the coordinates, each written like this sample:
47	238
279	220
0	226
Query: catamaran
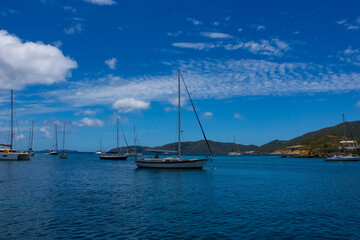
11	154
176	162
346	145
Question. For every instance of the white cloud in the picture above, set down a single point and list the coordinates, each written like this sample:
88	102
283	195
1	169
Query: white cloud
215	35
275	47
175	34
358	104
86	112
111	63
20	137
216	79
57	44
240	29
69	8
208	114
130	105
89	122
45	131
194	21
237	116
350	55
74	29
355	25
30	63
197	46
101	2
259	27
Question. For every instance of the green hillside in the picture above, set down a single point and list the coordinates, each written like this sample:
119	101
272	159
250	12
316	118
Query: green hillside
352	129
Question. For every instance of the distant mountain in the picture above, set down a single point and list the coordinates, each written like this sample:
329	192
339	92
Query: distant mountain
201	147
326	138
352	130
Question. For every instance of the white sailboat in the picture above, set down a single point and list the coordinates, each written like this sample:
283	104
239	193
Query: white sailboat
346	156
233	152
176	162
31	140
55	151
117	155
63	154
10	154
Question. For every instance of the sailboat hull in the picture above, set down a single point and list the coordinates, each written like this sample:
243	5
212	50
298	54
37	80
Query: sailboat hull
167	163
15	156
113	157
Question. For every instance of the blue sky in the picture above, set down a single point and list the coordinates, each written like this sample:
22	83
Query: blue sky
262	70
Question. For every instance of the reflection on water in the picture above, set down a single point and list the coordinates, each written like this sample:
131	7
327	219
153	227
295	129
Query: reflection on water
237	197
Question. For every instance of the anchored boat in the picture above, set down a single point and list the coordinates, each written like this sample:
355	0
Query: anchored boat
177	162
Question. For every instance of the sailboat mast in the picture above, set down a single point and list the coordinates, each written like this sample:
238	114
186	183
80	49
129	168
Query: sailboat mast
117	135
134	139
32	135
12	120
64	139
179	144
56	140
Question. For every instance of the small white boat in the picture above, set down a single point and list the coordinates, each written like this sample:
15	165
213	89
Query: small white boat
55	151
168	163
234	152
344	158
98	152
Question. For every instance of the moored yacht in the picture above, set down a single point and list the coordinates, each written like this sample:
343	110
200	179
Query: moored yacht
11	154
177	162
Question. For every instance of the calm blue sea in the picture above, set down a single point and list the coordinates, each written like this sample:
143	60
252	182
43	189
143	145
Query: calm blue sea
246	197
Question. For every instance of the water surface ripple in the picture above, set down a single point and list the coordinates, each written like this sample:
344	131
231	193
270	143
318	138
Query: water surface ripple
246	197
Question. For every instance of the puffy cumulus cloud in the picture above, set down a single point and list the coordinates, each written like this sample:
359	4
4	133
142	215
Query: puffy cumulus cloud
208	114
30	63
237	116
45	131
89	122
101	2
111	63
130	105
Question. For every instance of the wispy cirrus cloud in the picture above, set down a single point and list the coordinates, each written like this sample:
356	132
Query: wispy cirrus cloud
196	46
101	2
353	25
218	79
73	29
273	47
350	55
215	35
194	21
29	63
